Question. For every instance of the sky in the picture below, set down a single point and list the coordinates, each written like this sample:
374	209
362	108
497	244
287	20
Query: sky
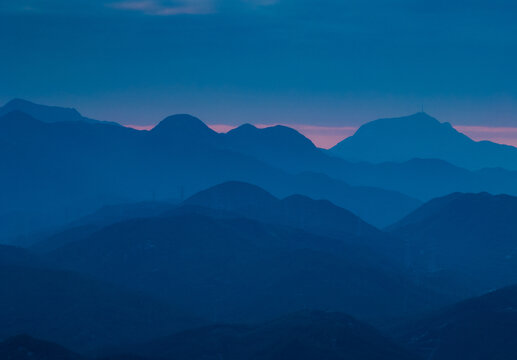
321	66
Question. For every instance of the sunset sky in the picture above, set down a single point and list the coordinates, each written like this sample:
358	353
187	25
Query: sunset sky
322	66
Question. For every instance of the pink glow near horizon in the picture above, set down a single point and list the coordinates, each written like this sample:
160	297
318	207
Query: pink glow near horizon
139	127
327	136
322	136
498	134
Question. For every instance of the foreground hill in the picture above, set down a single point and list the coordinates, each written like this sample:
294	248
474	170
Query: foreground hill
76	311
422	136
24	347
306	335
480	328
469	235
242	270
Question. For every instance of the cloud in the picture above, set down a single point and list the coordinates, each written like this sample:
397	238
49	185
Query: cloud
147	7
178	7
171	7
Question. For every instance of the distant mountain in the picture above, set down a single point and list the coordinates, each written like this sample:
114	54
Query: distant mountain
422	136
316	216
470	235
241	270
24	347
76	311
58	172
423	179
182	156
374	205
478	329
306	335
47	114
277	145
426	179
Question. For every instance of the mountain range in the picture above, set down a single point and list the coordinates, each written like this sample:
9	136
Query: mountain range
181	156
64	170
316	216
303	335
242	270
184	243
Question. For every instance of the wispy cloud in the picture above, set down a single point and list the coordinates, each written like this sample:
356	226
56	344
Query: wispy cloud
148	7
178	7
171	7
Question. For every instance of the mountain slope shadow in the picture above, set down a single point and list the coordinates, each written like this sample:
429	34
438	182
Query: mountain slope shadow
306	335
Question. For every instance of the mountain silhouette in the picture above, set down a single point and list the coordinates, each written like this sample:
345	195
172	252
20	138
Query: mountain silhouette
470	235
425	179
235	269
184	128
420	178
317	216
305	335
478	328
279	146
61	171
422	136
48	114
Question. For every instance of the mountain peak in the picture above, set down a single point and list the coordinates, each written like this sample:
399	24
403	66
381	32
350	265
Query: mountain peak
274	136
244	129
183	124
416	122
404	138
231	194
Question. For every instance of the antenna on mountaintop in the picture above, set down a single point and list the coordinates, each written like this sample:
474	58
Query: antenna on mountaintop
422	110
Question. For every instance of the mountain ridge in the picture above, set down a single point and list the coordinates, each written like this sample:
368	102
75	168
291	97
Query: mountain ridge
48	114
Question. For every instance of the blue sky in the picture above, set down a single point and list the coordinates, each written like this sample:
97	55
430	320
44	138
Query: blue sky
314	62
